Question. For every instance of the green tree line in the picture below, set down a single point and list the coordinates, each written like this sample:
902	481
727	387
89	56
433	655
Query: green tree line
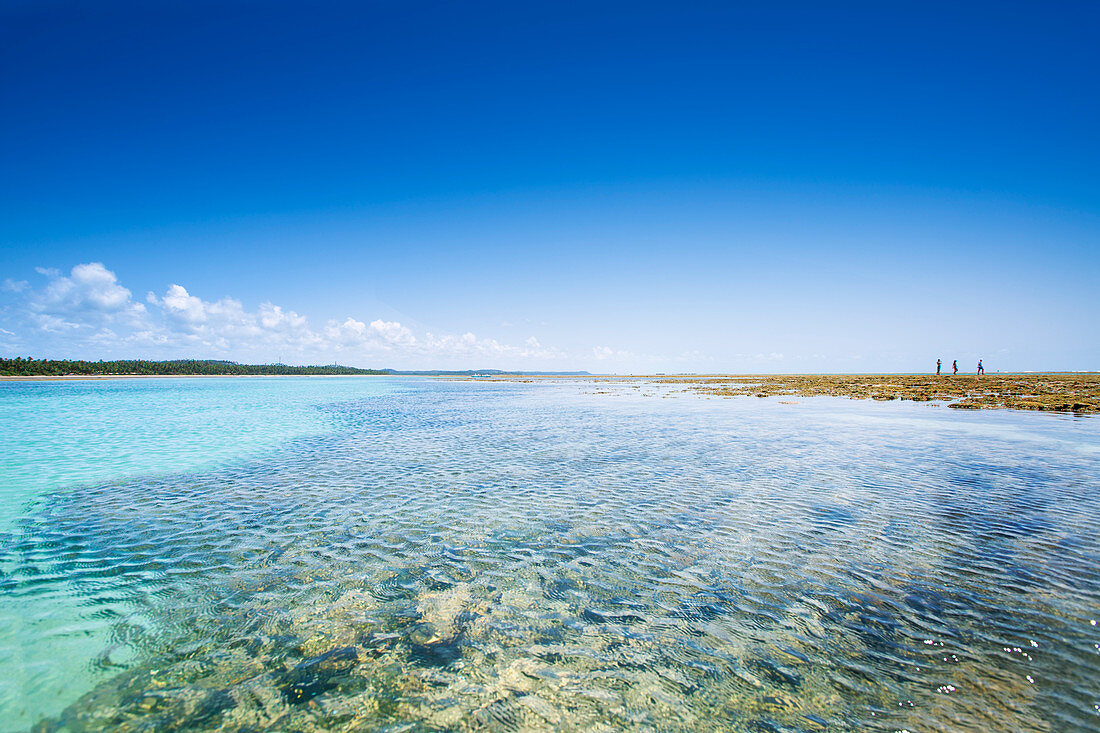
21	367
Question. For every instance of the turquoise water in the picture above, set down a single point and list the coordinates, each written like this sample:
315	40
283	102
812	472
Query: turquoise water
58	435
431	555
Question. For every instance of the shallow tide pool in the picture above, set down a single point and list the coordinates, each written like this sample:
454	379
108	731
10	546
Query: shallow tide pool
402	554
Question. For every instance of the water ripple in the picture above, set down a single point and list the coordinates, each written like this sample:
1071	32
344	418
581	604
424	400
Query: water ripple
472	557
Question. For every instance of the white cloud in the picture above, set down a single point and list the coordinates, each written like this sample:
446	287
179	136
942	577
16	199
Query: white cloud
94	285
469	345
272	317
227	327
181	304
88	298
393	332
14	286
89	313
352	334
53	324
603	353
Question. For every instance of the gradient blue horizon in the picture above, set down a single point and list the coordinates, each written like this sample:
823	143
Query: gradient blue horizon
710	187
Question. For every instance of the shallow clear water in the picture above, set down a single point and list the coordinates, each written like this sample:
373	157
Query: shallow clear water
57	435
461	555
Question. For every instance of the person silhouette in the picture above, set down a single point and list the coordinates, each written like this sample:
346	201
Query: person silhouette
955	366
937	366
981	369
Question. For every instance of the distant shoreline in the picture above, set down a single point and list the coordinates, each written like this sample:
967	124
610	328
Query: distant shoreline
440	375
29	367
83	377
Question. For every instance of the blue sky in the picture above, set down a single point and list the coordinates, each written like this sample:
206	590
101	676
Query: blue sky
740	187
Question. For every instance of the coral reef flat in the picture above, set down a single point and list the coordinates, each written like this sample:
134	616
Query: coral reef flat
1076	392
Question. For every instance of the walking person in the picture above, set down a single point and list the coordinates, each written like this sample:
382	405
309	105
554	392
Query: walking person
937	367
981	369
955	366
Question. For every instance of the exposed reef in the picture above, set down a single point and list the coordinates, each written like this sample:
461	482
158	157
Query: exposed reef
1077	393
